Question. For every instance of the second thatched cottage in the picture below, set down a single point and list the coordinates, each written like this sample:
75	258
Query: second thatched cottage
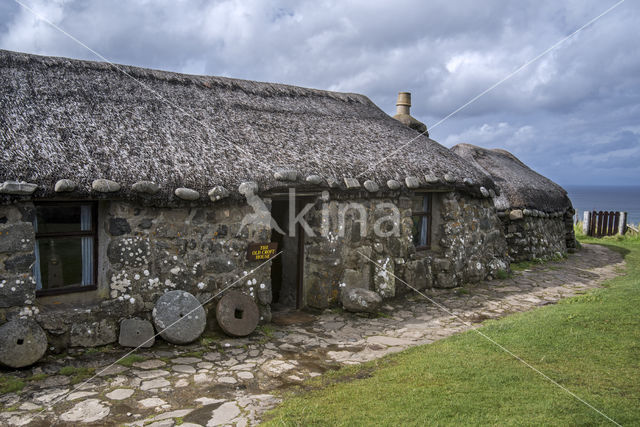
536	213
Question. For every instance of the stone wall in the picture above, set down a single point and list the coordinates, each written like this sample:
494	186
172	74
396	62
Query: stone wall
143	253
342	259
17	287
472	243
468	245
532	234
197	249
146	251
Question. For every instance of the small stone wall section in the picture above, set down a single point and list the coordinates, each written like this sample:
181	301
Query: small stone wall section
342	260
470	246
17	286
200	250
472	243
532	234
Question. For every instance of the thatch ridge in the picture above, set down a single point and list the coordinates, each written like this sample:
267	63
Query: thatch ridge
520	186
82	120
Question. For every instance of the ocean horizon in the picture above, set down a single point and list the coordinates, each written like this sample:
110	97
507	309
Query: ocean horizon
620	198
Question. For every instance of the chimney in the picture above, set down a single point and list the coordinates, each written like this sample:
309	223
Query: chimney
403	106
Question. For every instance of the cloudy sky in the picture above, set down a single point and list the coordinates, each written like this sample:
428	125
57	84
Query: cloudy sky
573	115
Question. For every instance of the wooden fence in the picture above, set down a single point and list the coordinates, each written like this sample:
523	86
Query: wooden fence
603	223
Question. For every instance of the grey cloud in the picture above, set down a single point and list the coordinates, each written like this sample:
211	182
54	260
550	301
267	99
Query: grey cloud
624	140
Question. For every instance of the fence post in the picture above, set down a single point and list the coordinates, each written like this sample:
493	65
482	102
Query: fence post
586	223
622	226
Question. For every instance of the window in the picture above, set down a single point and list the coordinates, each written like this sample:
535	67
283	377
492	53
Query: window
421	212
66	246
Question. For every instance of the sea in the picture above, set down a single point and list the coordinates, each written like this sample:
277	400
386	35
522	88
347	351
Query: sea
606	198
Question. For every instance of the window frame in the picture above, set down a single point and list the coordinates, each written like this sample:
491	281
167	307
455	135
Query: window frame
91	233
423	214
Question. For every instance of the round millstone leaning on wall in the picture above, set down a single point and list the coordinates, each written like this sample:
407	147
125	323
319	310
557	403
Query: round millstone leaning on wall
136	333
22	343
237	314
179	317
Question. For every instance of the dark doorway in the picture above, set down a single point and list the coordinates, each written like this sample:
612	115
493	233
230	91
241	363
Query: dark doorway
286	269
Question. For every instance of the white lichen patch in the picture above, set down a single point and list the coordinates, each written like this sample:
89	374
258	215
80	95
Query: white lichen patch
28	311
154	283
119	284
130	250
194	270
384	280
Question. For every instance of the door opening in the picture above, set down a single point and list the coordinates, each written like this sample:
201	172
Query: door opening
286	269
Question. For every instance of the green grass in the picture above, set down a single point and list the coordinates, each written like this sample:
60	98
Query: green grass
38	377
77	374
207	341
131	359
525	265
589	344
629	236
192	354
67	370
502	274
10	384
267	330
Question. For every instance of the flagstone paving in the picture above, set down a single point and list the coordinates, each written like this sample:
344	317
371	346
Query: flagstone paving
233	381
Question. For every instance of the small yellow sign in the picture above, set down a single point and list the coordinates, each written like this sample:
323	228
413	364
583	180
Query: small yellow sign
261	251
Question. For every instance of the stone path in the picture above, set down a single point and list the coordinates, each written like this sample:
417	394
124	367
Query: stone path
232	381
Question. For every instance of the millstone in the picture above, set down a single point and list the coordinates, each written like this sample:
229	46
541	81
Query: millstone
237	314
22	343
179	317
136	333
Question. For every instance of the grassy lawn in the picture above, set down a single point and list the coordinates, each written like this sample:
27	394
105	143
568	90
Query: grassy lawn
590	344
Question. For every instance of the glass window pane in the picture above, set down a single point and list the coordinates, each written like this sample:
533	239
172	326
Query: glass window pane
425	204
416	230
64	260
420	230
423	231
63	219
417	204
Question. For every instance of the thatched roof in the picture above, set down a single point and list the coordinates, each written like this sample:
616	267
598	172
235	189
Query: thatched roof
520	186
80	120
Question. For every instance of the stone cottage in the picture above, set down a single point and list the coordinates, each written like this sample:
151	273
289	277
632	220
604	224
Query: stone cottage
119	184
536	213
